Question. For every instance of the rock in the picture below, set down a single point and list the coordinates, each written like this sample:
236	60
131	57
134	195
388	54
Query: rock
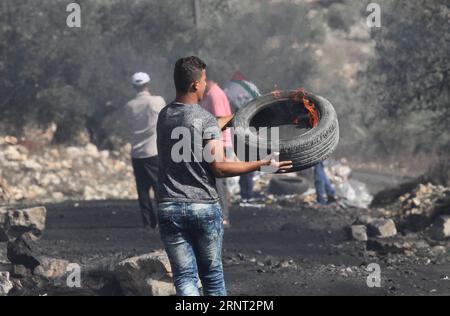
92	150
416	223
5	190
382	228
31	165
5	284
23	251
12	153
283	264
421	244
388	245
270	262
52	268
10	140
161	288
416	201
441	228
74	152
439	250
20	272
6	267
364	220
57	174
147	275
102	282
443	207
35	192
359	232
3	229
26	221
57	196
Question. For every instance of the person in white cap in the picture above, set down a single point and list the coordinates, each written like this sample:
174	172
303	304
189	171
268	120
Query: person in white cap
142	114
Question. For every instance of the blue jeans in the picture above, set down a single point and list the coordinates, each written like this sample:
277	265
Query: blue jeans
324	189
246	184
193	237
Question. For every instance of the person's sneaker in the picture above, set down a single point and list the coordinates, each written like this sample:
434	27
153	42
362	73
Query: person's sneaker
333	199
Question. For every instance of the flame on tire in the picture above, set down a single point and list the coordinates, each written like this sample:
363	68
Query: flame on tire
300	96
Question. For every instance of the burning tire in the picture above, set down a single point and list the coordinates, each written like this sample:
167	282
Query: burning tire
304	140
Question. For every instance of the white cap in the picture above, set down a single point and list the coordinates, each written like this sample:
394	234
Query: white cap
140	78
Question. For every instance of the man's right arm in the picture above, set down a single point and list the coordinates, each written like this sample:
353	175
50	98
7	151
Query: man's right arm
226	169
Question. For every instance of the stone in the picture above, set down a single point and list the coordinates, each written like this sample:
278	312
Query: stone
5	190
283	264
6	267
26	221
3	228
161	288
359	232
382	228
24	251
51	268
388	245
441	228
74	152
92	150
31	165
363	220
20	272
10	140
439	250
12	153
5	284
146	275
57	196
416	222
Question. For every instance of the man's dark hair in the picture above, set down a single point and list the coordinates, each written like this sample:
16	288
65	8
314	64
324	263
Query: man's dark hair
187	70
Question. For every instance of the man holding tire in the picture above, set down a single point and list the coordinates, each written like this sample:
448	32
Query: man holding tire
191	223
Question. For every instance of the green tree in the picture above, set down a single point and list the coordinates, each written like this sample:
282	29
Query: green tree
79	78
409	80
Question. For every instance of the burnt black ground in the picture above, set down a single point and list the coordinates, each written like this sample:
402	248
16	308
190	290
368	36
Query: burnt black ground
314	240
109	231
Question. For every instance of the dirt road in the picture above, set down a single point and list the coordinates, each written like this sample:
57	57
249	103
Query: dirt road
276	250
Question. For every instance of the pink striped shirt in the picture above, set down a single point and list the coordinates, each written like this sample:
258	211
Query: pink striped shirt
216	102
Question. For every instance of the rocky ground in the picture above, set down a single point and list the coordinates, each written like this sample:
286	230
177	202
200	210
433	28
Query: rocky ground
31	172
288	249
275	246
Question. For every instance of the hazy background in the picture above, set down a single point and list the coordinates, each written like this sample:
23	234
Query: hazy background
390	85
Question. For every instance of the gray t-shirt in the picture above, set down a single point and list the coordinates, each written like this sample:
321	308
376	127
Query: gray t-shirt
184	173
